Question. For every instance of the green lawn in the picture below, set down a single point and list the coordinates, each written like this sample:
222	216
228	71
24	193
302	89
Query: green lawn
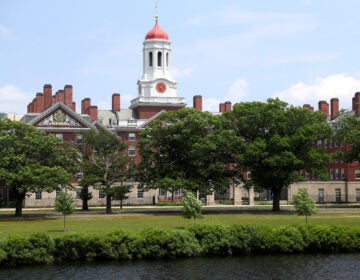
52	224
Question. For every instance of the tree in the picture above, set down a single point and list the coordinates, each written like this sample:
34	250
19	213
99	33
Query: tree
278	143
30	161
107	165
64	203
348	132
187	149
120	193
192	208
303	203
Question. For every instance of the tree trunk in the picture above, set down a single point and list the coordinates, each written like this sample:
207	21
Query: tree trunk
276	199
85	199
121	203
108	204
19	203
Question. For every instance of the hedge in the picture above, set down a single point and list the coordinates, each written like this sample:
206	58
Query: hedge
196	240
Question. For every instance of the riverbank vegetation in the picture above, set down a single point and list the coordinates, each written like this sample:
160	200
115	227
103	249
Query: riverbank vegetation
194	240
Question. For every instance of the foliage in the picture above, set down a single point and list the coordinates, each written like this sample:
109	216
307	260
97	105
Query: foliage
304	204
107	164
30	161
279	142
120	193
187	149
206	240
191	207
348	131
64	203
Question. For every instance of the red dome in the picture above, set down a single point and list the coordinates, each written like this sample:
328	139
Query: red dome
156	33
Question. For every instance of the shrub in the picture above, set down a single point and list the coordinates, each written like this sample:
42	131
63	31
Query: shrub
70	247
39	248
159	243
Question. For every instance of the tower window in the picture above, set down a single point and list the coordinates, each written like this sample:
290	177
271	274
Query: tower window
167	59
159	59
150	59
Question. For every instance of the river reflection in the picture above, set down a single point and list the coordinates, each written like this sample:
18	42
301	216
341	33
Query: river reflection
342	266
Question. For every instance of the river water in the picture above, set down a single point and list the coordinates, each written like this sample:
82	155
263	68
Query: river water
342	266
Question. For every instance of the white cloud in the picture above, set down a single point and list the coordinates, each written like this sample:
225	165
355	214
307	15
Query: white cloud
338	85
238	92
13	100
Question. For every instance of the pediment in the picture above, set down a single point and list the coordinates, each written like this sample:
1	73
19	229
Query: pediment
60	116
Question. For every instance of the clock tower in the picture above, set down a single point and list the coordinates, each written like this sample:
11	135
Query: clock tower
157	90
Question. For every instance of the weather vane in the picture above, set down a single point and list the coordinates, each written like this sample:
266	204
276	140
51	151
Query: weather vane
156	10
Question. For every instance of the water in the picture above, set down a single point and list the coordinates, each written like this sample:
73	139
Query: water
342	266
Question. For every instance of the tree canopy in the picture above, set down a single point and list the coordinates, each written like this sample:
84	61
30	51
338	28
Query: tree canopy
187	149
304	204
108	164
30	161
279	142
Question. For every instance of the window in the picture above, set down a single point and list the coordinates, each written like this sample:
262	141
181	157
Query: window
78	193
167	59
342	173
319	144
159	59
131	122
336	174
58	192
59	136
177	192
357	174
150	59
38	195
337	195
101	194
162	192
78	138
140	193
113	121
321	196
100	120
331	174
131	151
132	137
79	176
357	195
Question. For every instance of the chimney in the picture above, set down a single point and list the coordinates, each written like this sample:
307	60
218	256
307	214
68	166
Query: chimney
197	102
324	107
116	102
227	106
221	107
47	96
85	105
356	103
334	103
53	99
93	113
68	95
34	106
39	102
73	106
60	96
29	108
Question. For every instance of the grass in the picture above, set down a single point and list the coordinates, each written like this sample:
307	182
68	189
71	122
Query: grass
97	222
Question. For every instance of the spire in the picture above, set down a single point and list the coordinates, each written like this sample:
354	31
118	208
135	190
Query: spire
156	11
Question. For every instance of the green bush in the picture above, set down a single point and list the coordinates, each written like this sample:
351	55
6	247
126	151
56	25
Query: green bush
161	243
38	248
70	247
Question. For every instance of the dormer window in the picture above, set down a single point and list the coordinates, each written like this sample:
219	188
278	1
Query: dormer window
113	121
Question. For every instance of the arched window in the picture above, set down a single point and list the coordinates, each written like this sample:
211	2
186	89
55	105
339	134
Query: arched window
150	59
167	59
159	59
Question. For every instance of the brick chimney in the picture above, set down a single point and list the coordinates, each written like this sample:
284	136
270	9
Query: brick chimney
334	106
116	102
47	96
85	105
93	113
68	95
59	97
39	102
356	103
227	106
73	106
324	107
308	107
221	107
197	102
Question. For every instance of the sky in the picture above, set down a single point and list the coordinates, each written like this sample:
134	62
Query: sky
301	51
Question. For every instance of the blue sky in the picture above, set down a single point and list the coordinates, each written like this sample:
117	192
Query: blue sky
301	51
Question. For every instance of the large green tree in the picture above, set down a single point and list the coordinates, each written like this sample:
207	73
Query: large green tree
30	161
279	141
108	164
187	149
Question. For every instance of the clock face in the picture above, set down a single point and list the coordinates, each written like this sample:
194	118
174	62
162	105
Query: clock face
161	87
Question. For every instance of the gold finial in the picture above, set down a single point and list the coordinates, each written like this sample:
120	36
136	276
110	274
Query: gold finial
156	11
